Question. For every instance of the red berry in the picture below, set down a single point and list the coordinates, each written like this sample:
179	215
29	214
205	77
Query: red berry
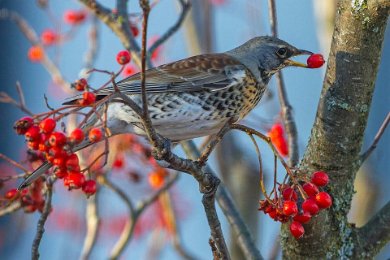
22	125
11	194
123	57
32	133
324	200
57	139
95	135
35	53
72	162
59	161
80	84
118	163
47	125
134	29
276	130
297	229
310	205
88	98
74	180
89	187
289	194
57	152
44	145
74	17
310	189
290	208
128	70
77	136
49	37
315	61
60	172
303	217
320	178
30	208
33	145
273	214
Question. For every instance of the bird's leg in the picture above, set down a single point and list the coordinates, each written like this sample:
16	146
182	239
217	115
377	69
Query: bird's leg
213	143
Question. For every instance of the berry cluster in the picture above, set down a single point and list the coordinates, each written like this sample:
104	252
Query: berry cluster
30	199
287	206
55	147
88	97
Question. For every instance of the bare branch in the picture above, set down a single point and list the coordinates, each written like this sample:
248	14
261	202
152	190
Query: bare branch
10	208
378	136
244	238
41	222
288	119
145	203
374	235
185	7
14	163
93	48
128	230
117	24
93	220
32	36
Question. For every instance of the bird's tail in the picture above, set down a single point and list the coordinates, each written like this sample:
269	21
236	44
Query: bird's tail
47	165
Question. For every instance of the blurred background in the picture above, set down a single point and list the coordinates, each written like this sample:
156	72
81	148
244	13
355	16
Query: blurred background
211	26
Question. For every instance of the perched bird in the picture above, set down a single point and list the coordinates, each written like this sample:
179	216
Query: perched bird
196	96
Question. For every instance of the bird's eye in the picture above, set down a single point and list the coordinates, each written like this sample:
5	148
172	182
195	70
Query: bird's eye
282	52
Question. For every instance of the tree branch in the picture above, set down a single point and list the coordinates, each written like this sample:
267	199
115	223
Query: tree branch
378	136
41	222
374	235
116	25
229	210
338	132
288	118
185	7
93	221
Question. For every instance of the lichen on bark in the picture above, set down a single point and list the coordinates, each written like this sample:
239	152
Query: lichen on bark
337	135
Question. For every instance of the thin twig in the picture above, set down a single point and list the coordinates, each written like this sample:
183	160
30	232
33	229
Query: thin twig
377	137
93	48
14	163
185	7
213	143
288	119
130	224
145	203
93	221
10	208
33	38
41	222
230	211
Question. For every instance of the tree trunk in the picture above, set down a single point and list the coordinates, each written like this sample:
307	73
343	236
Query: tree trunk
337	135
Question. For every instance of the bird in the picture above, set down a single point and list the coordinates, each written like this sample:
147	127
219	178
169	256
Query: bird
196	96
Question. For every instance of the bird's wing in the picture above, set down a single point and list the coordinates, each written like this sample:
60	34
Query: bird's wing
209	71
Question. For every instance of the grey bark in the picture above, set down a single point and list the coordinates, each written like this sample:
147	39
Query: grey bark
337	135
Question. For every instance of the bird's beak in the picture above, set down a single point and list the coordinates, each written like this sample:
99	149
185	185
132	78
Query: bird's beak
296	63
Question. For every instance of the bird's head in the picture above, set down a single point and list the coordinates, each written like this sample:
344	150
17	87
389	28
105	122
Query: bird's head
266	55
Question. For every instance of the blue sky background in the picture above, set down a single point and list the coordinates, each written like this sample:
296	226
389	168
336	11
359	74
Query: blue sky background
232	27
